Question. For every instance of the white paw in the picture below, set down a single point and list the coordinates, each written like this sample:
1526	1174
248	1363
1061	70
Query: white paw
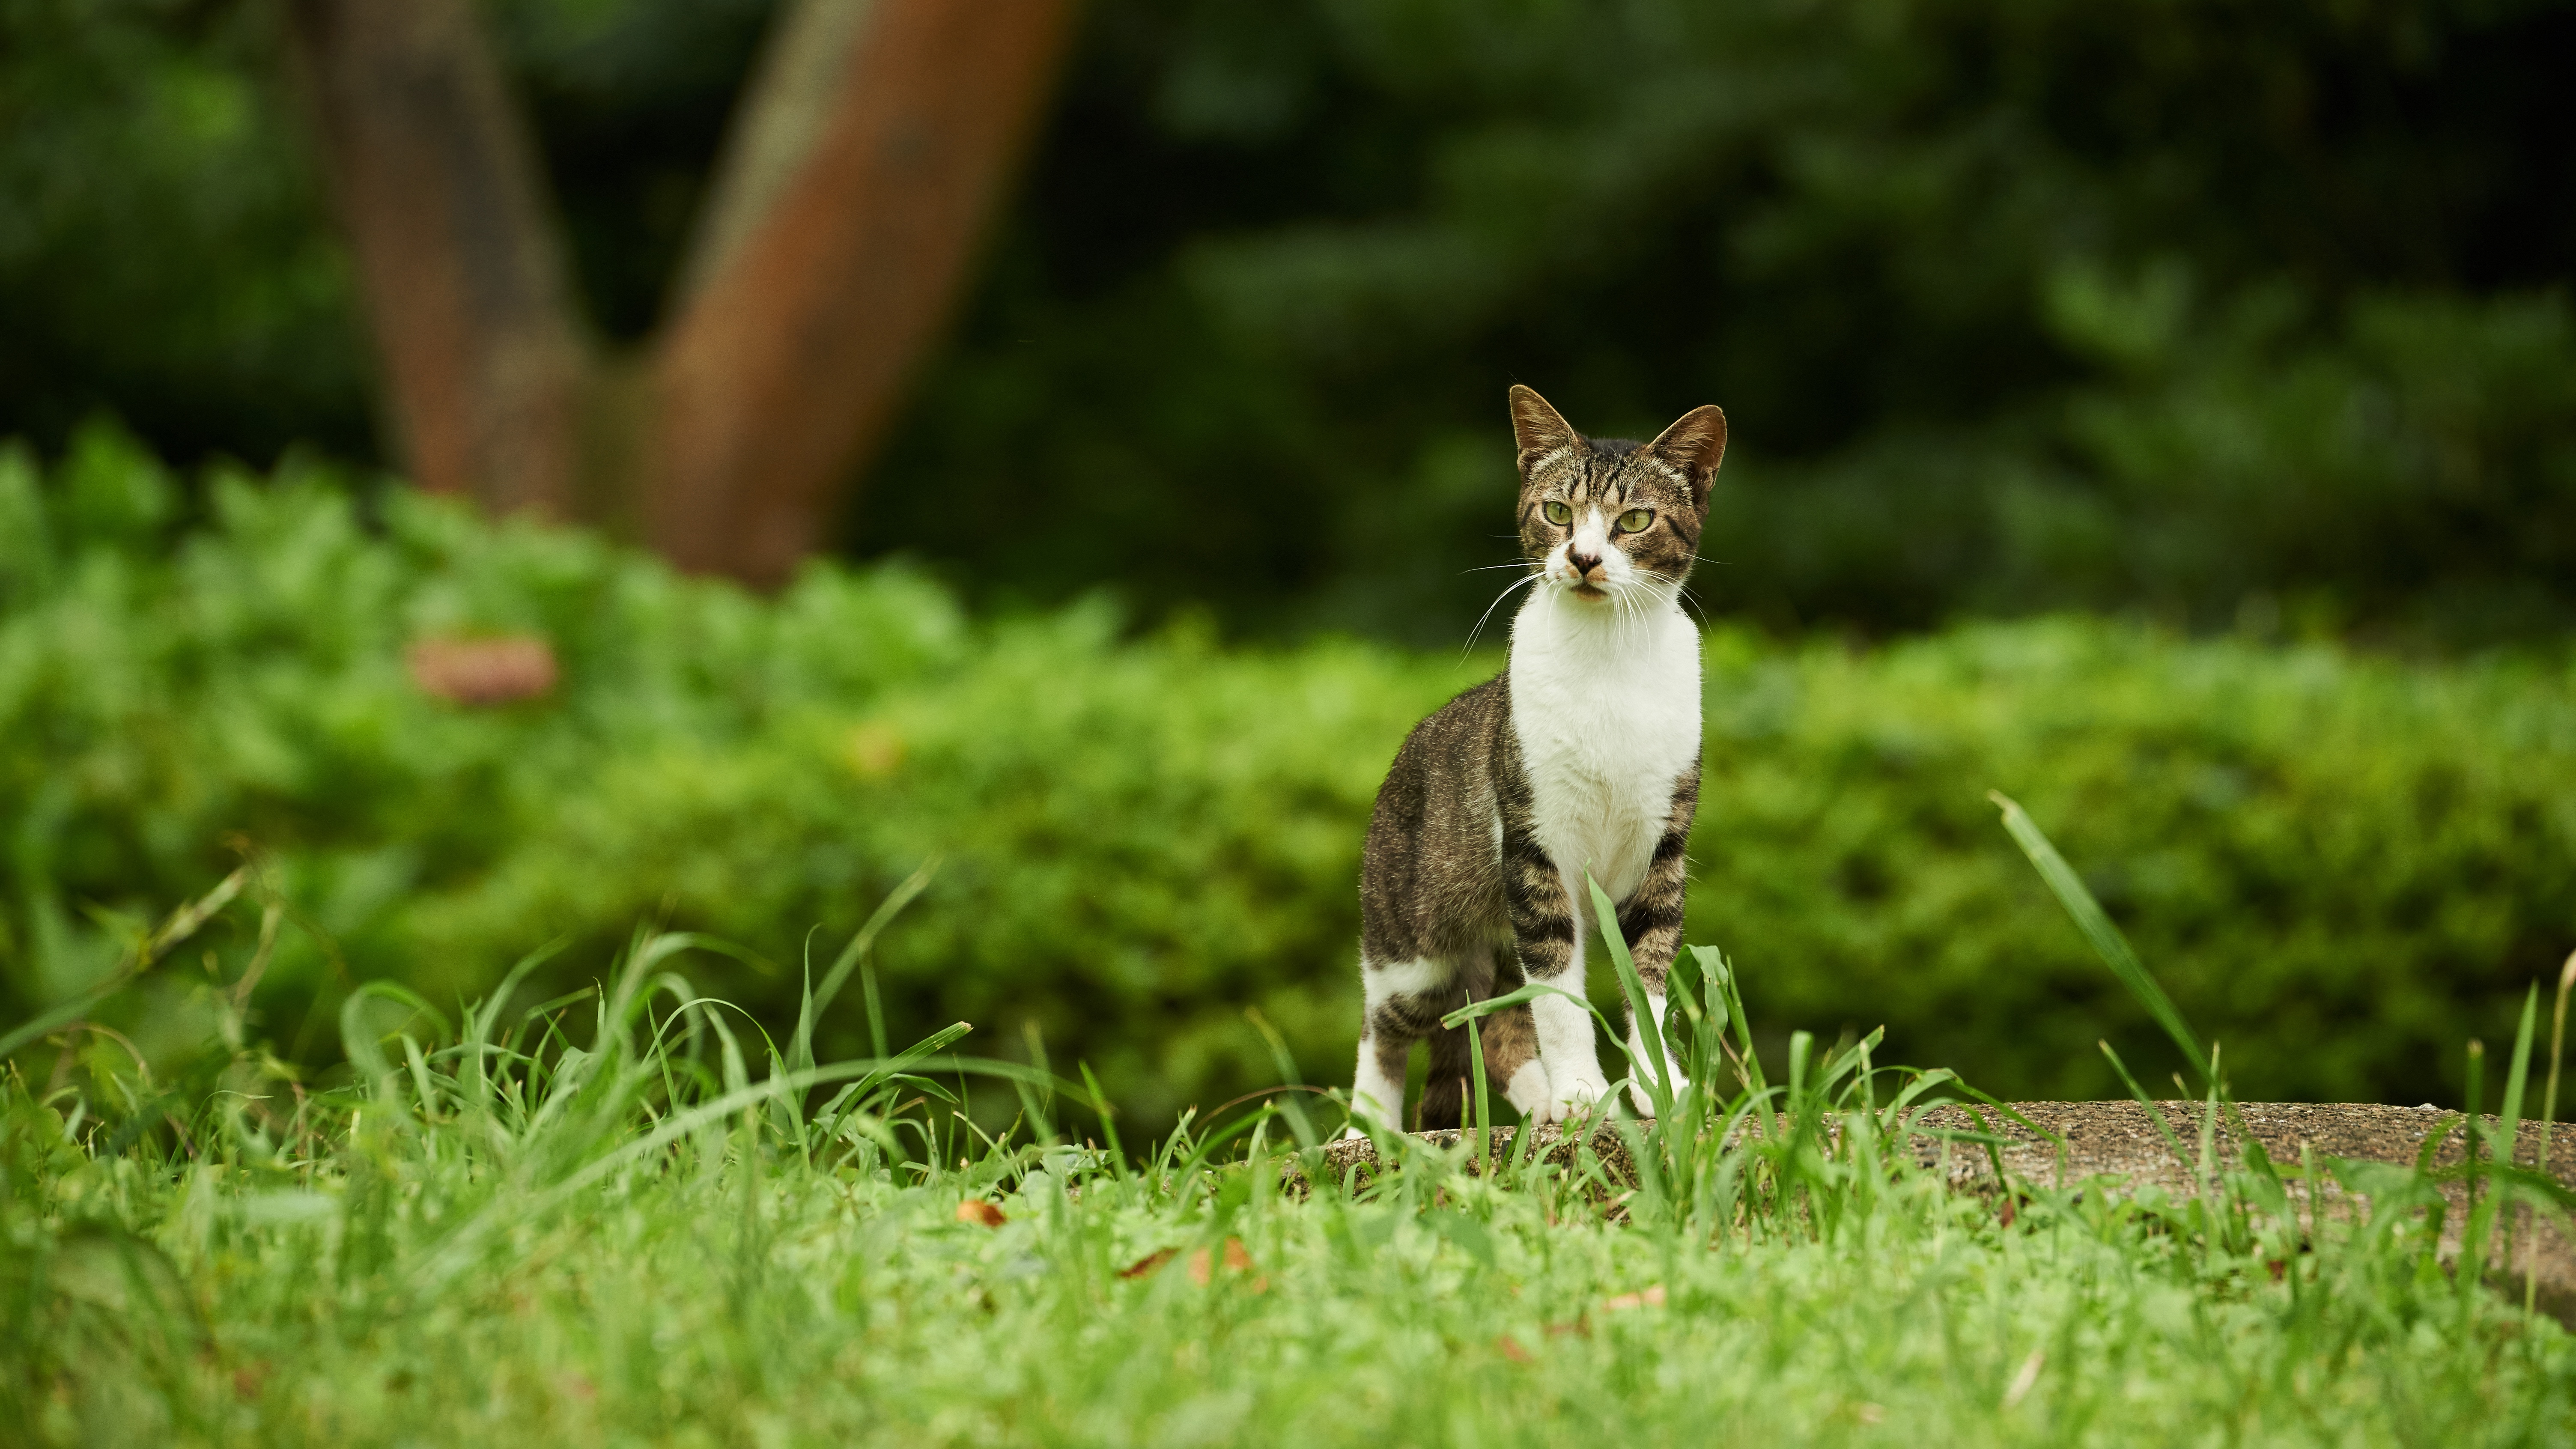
1579	1090
1645	1103
1527	1091
1367	1112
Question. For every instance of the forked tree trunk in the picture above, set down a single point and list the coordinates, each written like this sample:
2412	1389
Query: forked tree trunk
794	344
459	265
869	155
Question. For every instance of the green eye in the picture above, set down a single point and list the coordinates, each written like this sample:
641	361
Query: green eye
1636	520
1557	513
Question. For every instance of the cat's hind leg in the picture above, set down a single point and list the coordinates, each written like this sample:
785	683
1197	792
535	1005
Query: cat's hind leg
1510	1041
1404	1003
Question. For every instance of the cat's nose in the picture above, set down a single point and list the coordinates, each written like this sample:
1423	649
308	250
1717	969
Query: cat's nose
1582	563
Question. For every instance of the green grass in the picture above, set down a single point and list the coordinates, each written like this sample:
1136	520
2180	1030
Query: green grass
631	1218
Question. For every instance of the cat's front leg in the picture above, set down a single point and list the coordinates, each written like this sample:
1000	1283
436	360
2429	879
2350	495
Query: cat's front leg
1551	954
1651	924
1641	1056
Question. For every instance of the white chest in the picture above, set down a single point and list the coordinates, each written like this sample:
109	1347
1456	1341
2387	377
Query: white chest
1607	712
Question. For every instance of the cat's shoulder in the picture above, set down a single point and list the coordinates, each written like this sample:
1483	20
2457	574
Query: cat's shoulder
1472	711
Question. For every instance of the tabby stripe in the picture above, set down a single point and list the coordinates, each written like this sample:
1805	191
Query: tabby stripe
1557	929
1640	917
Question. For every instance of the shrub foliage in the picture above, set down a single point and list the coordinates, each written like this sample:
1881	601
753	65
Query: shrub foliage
2340	864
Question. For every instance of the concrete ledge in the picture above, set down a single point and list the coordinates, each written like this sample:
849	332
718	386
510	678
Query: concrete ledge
2117	1140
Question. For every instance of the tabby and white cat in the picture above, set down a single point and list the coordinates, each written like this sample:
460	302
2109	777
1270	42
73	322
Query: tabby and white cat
1582	756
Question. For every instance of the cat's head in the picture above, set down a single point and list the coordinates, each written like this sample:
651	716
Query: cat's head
1601	517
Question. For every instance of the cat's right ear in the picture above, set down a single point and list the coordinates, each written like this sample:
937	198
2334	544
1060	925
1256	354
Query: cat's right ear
1537	428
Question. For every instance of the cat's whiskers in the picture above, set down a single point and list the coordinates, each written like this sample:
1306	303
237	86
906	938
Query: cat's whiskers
1683	592
1632	600
1472	634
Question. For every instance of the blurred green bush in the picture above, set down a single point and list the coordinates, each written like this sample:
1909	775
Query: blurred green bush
2341	865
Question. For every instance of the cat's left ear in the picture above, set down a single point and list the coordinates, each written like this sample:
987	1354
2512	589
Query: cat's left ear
1537	428
1696	444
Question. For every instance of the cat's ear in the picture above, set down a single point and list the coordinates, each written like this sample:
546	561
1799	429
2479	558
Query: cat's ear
1696	444
1537	428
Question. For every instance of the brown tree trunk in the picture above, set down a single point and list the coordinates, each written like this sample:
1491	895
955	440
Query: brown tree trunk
799	325
871	151
458	261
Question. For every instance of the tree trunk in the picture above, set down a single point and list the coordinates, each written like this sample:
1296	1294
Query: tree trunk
866	167
458	261
870	152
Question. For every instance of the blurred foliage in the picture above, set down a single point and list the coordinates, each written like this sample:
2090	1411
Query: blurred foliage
2199	308
163	246
2339	865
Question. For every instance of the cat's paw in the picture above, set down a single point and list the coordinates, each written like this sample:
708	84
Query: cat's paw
1368	1118
1527	1091
1578	1091
1645	1103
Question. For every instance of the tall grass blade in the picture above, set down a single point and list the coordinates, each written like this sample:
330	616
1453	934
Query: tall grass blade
2163	1127
1657	1077
182	924
2105	937
820	999
2548	1120
2480	1230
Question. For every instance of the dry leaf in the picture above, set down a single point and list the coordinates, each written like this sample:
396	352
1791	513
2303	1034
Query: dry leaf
1149	1262
1512	1349
976	1210
493	670
1649	1297
1236	1261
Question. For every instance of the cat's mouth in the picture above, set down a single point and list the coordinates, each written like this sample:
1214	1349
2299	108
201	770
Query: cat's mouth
1588	591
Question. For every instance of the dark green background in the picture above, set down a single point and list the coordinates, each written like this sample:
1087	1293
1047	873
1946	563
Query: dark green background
2197	307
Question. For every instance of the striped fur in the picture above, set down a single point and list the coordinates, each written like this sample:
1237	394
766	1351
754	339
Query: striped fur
1580	759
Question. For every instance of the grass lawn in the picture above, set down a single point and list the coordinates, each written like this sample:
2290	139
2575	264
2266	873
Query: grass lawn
595	1222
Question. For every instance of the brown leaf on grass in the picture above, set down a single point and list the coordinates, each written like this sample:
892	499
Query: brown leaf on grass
1149	1262
1560	1330
1651	1296
976	1210
249	1379
1511	1349
493	670
1236	1261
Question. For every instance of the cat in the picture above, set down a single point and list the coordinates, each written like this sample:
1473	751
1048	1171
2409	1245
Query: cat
1582	756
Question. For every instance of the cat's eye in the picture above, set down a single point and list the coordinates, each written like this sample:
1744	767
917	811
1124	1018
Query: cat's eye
1557	513
1636	520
